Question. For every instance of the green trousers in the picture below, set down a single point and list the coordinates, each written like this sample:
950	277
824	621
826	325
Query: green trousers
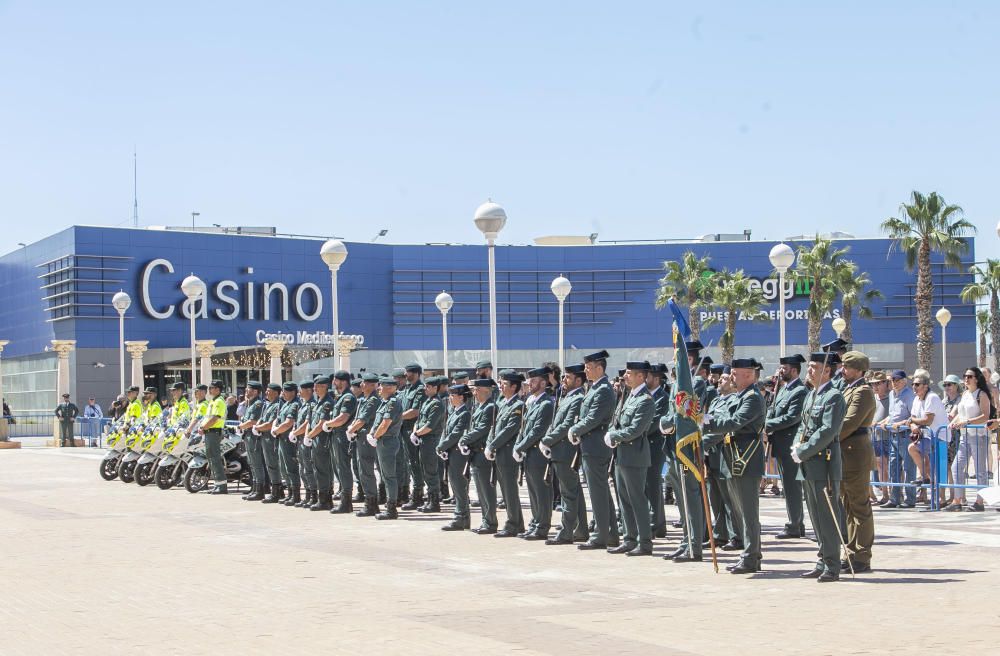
687	494
825	524
574	505
508	470
595	470
789	470
256	457
289	455
213	438
430	464
539	491
459	484
269	448
745	493
341	460
722	507
482	470
631	484
415	469
367	455
307	467
323	458
388	459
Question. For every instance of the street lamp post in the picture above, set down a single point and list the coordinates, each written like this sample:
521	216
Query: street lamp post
194	288
121	302
334	252
838	325
490	218
444	302
944	316
561	287
782	257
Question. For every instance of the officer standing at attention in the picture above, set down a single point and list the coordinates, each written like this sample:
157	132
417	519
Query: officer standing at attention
352	445
212	425
628	438
322	440
720	502
838	347
457	461
363	423
781	426
595	418
425	436
411	398
252	414
500	448
268	445
817	449
564	455
858	459
66	413
385	438
287	449
654	474
402	459
307	466
344	410
537	419
473	444
738	434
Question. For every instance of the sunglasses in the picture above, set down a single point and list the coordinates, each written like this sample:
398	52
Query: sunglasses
970	375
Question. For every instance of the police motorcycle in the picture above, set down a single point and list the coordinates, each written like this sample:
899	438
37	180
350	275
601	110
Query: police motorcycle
171	467
234	455
136	445
165	439
115	439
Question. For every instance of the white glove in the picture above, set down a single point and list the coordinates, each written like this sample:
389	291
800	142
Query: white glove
518	456
443	455
372	440
705	419
607	440
239	431
571	436
546	451
352	436
464	449
490	454
307	441
255	431
795	455
292	438
414	439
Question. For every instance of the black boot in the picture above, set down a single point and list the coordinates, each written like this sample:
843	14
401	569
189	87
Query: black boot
220	488
253	491
370	509
294	497
415	502
443	493
275	495
433	504
404	492
337	495
457	524
358	496
323	503
390	511
308	501
381	493
258	493
345	506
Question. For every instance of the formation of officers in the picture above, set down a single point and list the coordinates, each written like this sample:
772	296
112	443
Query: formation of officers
421	442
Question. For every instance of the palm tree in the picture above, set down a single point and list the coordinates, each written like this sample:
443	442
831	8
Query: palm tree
986	283
927	224
733	292
688	281
983	323
853	295
819	268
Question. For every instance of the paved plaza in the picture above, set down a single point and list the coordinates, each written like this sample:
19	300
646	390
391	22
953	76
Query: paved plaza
91	567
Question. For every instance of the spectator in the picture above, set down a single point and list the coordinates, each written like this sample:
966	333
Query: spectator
66	413
231	407
92	414
8	413
901	468
93	409
971	415
928	422
879	382
241	409
950	385
118	407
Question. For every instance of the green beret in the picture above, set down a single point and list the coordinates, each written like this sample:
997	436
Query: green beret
306	384
321	380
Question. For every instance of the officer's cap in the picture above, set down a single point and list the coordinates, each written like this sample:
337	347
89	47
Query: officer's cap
705	362
744	363
828	357
658	368
178	386
484	382
217	384
460	375
795	360
600	356
484	364
388	380
274	386
290	387
414	368
459	390
621	372
356	382
201	388
541	372
435	381
398	373
254	384
306	384
511	376
726	369
65	395
321	380
342	375
370	378
133	388
717	368
856	360
637	365
693	346
838	345
575	369
149	390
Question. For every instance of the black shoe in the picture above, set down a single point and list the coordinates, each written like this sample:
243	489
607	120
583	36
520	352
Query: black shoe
977	507
888	504
787	535
455	525
920	481
733	545
275	495
677	524
370	509
433	505
294	497
415	502
504	533
640	551
389	512
552	541
449	500
475	504
859	568
908	505
484	530
671	556
258	493
812	574
590	545
324	502
624	548
744	567
501	504
687	558
828	577
537	535
250	493
345	506
219	489
581	538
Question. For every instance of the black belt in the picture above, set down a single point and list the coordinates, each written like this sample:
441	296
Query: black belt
213	430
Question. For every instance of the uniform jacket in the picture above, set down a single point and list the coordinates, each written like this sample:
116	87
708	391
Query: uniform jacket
480	426
458	422
67	411
411	398
629	428
818	439
348	403
390	409
322	411
290	409
305	411
785	414
720	405
595	416
537	419
566	415
431	416
510	417
859	415
742	420
367	409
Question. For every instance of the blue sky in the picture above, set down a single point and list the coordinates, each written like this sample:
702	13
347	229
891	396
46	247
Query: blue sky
634	120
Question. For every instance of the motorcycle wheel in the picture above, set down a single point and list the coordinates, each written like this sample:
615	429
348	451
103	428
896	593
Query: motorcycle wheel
144	474
126	471
109	470
196	480
165	478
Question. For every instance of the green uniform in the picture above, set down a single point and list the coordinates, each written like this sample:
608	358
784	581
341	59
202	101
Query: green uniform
458	423
654	473
858	460
213	438
719	501
268	444
737	432
595	418
510	416
783	419
387	447
681	481
66	413
537	419
307	465
564	452
340	455
323	444
628	438
408	464
367	409
475	440
254	453
432	416
818	447
288	450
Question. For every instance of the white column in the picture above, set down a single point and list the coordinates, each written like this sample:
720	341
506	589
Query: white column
345	344
136	349
275	348
3	422
62	347
206	347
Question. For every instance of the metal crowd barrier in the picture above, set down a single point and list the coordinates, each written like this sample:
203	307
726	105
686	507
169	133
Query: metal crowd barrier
43	424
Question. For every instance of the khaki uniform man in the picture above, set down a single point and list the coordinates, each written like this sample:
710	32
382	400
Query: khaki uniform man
858	456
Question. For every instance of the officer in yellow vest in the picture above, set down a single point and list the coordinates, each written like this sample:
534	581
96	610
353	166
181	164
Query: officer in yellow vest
200	407
181	410
150	406
134	410
211	425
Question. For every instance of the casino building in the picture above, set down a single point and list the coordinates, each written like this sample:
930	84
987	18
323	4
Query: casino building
263	285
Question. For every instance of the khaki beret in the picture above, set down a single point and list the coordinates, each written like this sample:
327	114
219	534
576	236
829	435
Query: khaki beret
856	360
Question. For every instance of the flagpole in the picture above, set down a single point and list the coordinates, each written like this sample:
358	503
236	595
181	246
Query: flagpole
708	512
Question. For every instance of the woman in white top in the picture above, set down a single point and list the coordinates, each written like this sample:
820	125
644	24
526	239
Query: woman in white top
972	410
928	432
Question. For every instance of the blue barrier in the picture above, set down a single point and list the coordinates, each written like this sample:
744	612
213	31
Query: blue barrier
43	424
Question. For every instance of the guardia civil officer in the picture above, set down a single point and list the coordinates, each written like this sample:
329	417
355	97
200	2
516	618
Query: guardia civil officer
839	347
254	410
180	411
385	438
288	460
455	458
500	448
425	437
595	418
352	445
151	408
402	459
134	409
211	425
738	431
307	464
269	445
858	457
411	397
781	426
564	457
344	411
720	503
817	449
628	439
364	422
655	379
473	444
537	419
321	439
